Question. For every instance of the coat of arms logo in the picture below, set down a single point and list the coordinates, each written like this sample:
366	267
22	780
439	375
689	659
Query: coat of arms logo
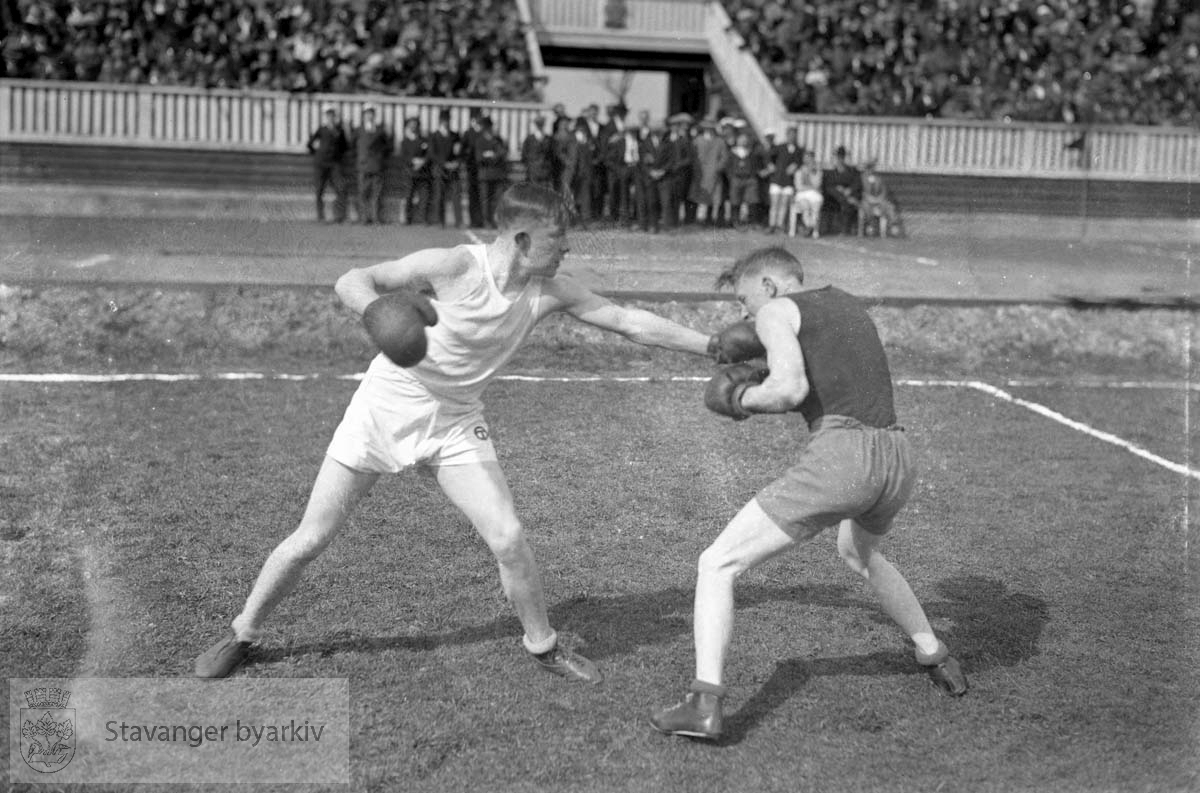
47	730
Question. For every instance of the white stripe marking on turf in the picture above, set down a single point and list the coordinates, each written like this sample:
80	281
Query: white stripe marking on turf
91	261
1079	426
976	385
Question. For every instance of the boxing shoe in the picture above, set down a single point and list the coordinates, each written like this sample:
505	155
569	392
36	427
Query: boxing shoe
568	664
697	716
223	657
944	670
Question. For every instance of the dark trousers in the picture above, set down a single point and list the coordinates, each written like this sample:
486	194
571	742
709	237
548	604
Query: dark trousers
331	175
580	193
489	196
416	204
599	188
668	201
446	187
474	199
370	191
648	203
620	185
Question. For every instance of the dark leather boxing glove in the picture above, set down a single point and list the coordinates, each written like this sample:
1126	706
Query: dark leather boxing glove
396	322
739	342
723	394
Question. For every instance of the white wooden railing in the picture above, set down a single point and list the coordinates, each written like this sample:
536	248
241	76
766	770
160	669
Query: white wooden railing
195	118
128	115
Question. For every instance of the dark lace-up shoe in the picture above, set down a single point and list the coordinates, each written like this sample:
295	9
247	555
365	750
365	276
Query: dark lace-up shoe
697	716
570	665
223	657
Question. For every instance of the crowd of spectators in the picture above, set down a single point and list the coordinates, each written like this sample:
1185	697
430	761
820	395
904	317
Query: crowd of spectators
618	171
1074	61
438	48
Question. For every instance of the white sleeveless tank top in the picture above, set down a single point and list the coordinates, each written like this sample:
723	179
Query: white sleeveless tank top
473	338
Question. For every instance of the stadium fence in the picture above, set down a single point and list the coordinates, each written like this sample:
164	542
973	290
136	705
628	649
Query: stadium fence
183	117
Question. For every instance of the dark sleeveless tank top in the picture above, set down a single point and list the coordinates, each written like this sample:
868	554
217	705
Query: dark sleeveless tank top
847	368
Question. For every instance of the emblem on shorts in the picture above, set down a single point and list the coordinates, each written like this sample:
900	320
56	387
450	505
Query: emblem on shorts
47	730
481	432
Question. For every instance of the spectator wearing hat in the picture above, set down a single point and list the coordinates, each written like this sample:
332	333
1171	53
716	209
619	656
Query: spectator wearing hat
876	205
491	159
620	162
744	168
372	148
328	146
708	187
589	124
470	143
413	184
577	173
673	188
562	137
654	164
842	189
445	163
537	154
786	159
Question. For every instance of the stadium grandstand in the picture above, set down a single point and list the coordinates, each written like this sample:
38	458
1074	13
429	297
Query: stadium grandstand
1037	98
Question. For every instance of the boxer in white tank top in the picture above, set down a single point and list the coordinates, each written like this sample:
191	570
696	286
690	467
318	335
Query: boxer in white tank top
488	298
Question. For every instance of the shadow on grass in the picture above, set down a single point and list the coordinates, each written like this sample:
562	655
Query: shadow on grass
991	627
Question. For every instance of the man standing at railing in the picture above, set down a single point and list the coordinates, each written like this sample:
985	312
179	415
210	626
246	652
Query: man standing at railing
372	147
445	154
328	146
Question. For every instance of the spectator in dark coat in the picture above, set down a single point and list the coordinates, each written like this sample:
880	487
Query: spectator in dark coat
328	146
841	187
678	163
445	163
620	163
491	158
414	182
577	175
537	155
372	148
470	143
589	124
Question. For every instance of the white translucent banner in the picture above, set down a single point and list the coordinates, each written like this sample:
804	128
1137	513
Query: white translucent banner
167	730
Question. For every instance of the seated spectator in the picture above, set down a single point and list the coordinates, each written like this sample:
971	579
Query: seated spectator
876	209
808	200
841	187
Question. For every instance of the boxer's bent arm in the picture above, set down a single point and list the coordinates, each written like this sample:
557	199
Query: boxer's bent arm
642	327
778	325
436	266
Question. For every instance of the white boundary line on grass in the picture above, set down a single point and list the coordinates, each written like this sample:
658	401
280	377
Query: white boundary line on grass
1079	426
976	385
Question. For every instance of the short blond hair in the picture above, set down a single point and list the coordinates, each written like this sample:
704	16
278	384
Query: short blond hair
775	258
526	202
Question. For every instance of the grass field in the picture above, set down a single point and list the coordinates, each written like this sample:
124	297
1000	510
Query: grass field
135	515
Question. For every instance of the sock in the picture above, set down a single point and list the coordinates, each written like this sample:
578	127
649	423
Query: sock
701	687
929	649
244	632
544	646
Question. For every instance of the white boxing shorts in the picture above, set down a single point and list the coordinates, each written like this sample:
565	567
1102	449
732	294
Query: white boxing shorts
391	425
